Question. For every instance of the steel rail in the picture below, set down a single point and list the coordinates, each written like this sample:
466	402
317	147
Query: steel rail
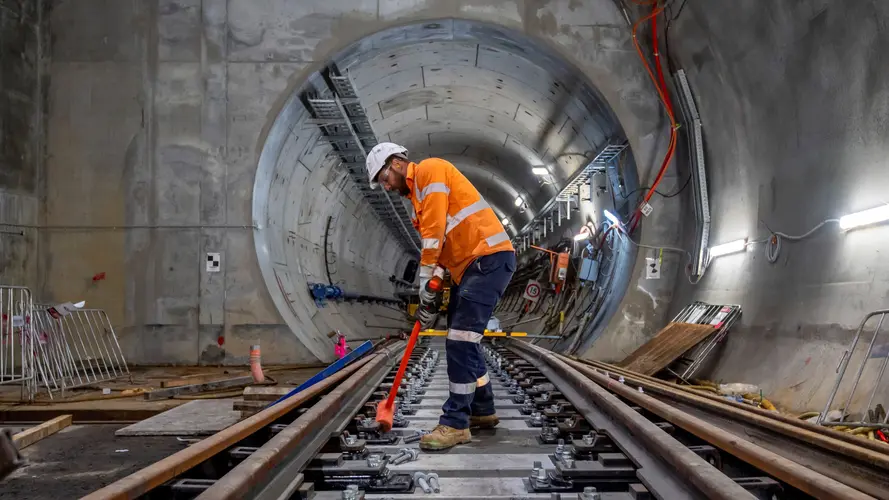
794	474
880	448
867	451
857	475
674	464
156	474
272	471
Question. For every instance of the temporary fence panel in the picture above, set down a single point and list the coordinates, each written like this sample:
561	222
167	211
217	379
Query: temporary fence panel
720	317
869	418
76	348
16	355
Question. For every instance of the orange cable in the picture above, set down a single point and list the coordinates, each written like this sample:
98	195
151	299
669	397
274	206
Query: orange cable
667	106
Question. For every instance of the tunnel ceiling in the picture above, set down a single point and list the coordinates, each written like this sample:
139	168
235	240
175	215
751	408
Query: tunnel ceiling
492	103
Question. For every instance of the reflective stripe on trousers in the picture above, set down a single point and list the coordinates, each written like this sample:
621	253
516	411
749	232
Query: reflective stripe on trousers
458	388
465	336
462	388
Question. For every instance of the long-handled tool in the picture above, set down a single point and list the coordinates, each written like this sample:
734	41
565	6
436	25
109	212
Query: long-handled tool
385	410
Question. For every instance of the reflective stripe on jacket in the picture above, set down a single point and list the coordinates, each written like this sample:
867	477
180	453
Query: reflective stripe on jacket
456	224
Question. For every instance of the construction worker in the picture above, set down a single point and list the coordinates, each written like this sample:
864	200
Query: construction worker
461	233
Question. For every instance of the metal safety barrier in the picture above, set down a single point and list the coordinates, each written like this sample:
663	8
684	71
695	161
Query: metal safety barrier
720	317
16	355
869	418
76	349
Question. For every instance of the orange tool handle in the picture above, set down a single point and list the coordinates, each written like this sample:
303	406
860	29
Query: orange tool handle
412	341
434	284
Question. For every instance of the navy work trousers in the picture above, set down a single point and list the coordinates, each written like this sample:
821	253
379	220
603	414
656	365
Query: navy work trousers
471	305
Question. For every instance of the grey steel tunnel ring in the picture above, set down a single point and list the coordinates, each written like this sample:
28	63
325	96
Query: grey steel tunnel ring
432	92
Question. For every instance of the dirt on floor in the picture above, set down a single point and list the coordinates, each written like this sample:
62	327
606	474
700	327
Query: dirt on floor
81	459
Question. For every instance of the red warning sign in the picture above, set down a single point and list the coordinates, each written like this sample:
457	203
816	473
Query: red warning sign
532	290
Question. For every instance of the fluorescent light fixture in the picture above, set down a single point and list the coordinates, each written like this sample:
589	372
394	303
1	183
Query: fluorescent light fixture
518	201
727	248
864	218
505	221
540	171
582	236
610	216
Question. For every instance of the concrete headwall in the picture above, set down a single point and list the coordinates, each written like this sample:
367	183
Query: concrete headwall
794	99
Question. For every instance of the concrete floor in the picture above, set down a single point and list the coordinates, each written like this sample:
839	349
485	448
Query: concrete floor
80	459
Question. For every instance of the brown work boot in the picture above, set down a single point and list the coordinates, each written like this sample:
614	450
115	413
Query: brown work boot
444	437
486	422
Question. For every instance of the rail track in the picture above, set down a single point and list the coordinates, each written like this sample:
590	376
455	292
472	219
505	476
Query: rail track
568	430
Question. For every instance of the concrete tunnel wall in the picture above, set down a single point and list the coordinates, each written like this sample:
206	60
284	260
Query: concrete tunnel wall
158	112
794	99
24	42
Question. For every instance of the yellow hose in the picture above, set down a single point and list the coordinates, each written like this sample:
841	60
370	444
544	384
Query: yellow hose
762	402
707	383
859	430
808	414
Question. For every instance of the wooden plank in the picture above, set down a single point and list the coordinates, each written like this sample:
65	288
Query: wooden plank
249	405
191	389
265	393
196	379
30	436
668	345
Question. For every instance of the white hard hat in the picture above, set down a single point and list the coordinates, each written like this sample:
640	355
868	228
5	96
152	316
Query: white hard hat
378	156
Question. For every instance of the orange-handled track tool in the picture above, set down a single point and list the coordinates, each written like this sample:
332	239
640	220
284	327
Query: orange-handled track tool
385	410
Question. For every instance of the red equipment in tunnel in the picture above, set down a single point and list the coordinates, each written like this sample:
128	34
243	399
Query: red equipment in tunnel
558	267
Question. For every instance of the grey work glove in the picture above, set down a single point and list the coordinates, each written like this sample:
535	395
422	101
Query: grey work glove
426	317
430	303
428	297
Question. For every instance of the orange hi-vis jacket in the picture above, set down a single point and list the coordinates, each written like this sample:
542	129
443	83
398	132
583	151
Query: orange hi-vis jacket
456	225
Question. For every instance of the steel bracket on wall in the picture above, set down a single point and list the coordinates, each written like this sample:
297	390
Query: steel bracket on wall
698	171
568	195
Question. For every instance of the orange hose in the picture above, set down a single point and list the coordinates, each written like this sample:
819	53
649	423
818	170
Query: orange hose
657	57
662	93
